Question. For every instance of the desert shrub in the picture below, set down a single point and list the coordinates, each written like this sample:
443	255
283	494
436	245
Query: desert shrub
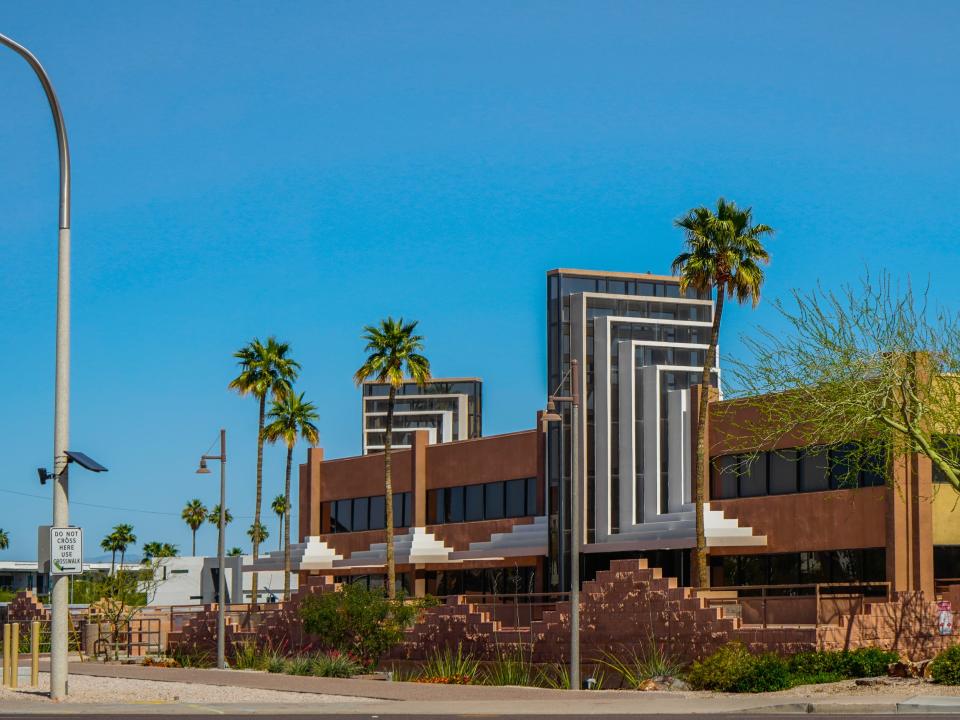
246	656
870	661
511	667
733	668
192	657
945	668
299	665
275	663
446	667
359	621
335	664
833	665
634	667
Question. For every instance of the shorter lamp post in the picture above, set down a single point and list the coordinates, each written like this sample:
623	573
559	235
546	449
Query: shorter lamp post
221	585
551	415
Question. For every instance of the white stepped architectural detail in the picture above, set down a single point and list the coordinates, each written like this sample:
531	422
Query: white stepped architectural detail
314	554
415	547
523	540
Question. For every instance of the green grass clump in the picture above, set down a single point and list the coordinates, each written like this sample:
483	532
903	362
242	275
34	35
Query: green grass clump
335	665
636	667
446	667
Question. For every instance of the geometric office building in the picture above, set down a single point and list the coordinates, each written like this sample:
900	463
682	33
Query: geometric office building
447	408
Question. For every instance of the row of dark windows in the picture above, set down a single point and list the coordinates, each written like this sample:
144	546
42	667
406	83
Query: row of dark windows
830	566
484	501
430	387
780	472
368	513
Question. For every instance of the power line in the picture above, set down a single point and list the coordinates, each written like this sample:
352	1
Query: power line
109	507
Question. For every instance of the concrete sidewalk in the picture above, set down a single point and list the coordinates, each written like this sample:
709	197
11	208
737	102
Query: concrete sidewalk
423	699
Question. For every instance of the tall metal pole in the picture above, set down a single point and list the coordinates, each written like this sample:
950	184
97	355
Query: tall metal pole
221	614
61	417
575	528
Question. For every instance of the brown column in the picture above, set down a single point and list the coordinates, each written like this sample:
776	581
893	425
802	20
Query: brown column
910	525
418	476
310	491
541	465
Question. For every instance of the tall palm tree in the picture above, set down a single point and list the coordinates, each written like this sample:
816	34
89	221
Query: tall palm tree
265	369
124	538
4	539
393	350
213	517
258	533
194	513
290	418
279	507
722	250
111	544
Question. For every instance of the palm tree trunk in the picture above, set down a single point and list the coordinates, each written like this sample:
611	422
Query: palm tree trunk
388	493
256	512
113	562
286	527
700	485
194	551
280	539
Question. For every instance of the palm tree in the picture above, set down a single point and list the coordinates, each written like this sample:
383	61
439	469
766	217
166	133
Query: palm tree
4	539
234	552
124	537
156	549
722	250
194	513
265	369
257	533
111	544
213	517
290	418
392	350
279	507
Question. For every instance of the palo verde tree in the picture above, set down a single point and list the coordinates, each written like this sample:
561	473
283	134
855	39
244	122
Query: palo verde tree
266	369
871	366
394	351
193	514
291	418
723	250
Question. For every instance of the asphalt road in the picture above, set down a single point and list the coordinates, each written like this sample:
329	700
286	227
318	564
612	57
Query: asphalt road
326	716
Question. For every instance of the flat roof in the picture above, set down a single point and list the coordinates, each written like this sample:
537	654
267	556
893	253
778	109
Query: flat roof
431	380
612	274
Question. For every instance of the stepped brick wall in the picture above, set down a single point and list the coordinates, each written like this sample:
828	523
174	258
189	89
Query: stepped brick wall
631	605
26	607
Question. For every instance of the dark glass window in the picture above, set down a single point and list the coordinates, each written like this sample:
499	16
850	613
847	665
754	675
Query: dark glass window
344	516
493	501
815	469
398	519
516	492
725	476
813	569
531	496
361	507
946	562
784	468
378	512
785	569
844	466
753	475
753	570
407	509
473	502
454	504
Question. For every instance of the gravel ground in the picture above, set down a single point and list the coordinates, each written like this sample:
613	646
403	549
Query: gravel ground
89	689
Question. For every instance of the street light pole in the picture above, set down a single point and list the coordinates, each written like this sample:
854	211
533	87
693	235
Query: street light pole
221	581
61	416
574	399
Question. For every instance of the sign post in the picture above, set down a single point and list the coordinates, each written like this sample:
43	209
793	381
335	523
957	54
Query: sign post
66	551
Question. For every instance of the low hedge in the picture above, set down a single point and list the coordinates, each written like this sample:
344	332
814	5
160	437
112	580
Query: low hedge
733	668
945	668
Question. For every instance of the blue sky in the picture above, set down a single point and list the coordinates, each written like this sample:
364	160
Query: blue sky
302	169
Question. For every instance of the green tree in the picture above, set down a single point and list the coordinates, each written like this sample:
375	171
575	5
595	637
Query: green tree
290	418
722	250
872	366
4	539
213	517
279	507
393	351
235	551
266	369
257	533
158	549
193	514
124	539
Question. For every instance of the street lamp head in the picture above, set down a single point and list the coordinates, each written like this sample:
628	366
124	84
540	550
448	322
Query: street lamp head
551	407
203	469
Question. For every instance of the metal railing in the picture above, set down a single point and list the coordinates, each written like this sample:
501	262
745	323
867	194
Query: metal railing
798	605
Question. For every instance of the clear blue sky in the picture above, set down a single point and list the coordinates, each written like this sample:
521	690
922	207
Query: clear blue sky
302	169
